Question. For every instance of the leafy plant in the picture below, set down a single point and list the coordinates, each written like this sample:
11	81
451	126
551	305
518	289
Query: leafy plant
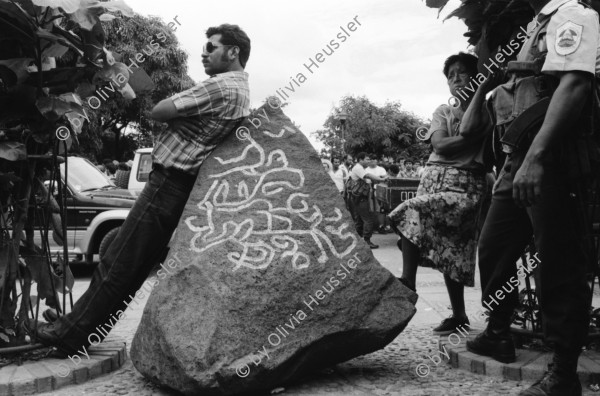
52	60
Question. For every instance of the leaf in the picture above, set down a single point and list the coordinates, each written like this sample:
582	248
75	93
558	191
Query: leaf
110	6
8	78
93	43
56	50
13	151
76	121
36	262
15	22
70	37
8	178
127	92
70	6
18	66
140	81
435	3
55	38
4	337
85	18
55	107
111	74
92	12
85	89
107	17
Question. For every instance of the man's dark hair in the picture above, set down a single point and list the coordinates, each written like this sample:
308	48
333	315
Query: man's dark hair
468	61
233	35
361	156
395	169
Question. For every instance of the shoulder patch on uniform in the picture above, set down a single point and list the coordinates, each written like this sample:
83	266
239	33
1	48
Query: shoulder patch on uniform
568	38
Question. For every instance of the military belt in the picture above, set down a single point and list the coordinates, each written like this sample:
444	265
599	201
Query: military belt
525	67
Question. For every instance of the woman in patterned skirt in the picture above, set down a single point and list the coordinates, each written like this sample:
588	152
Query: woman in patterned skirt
439	225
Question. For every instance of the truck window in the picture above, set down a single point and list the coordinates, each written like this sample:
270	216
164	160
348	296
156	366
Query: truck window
145	167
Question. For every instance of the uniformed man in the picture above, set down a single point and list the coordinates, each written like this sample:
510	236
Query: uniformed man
551	81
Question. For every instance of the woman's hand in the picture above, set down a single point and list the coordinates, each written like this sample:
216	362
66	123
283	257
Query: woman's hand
476	121
492	81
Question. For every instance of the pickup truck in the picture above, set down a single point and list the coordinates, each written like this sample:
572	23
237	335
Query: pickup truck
96	207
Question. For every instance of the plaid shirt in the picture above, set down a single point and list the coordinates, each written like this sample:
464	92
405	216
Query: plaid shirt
220	103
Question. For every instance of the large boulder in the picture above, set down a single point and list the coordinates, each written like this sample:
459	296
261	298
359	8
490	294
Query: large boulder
266	278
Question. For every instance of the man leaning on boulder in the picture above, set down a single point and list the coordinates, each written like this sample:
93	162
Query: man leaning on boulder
199	120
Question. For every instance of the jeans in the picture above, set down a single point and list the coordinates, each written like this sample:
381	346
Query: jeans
128	261
364	218
563	291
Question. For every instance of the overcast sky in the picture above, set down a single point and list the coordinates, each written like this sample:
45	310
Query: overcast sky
396	54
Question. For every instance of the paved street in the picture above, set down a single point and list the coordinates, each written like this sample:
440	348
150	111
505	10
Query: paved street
387	372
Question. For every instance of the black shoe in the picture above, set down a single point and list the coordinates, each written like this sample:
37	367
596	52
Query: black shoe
44	333
50	315
371	244
452	325
499	347
552	384
408	284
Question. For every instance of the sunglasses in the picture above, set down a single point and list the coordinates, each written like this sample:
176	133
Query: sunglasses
210	47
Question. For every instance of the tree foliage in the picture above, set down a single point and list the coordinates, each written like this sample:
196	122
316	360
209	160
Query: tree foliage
380	130
164	62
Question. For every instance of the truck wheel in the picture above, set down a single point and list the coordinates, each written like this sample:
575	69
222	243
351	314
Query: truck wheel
107	240
122	178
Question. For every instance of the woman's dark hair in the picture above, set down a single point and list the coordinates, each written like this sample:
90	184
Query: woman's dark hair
468	61
233	35
361	156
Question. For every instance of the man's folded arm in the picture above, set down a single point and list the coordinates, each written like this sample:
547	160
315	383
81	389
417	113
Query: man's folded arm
165	110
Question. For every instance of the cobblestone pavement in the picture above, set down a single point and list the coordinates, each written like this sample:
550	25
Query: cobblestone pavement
387	372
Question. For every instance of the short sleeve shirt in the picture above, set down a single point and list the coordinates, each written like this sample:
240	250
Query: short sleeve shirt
447	120
358	172
572	37
376	171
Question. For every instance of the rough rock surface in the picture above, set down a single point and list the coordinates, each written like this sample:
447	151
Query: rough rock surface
266	279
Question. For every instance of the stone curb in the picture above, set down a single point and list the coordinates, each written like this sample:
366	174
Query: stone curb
50	374
529	366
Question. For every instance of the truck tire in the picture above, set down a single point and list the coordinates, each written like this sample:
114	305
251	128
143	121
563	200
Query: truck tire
108	238
122	178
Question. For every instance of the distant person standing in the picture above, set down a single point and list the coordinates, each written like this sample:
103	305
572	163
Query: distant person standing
393	171
339	174
409	169
379	171
359	188
348	163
